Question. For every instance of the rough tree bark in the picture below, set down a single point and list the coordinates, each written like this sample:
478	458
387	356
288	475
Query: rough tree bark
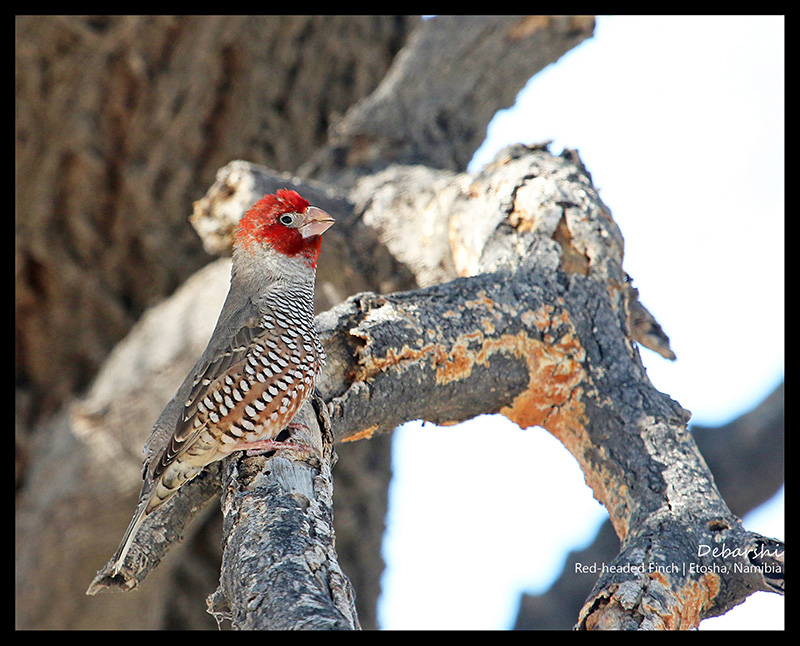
747	459
522	308
279	567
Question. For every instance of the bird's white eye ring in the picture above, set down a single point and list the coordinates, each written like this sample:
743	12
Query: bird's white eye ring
287	219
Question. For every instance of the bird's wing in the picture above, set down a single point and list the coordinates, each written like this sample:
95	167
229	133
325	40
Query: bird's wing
228	361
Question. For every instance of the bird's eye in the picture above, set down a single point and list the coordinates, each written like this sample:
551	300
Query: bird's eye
287	219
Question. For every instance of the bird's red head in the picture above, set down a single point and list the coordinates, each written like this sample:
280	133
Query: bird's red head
286	223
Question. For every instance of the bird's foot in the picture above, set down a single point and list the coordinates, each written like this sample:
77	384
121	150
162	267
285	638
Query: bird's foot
260	447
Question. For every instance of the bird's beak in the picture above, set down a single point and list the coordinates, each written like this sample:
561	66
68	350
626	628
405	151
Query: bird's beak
316	222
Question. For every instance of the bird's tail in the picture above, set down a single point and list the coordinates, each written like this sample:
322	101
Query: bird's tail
155	492
127	540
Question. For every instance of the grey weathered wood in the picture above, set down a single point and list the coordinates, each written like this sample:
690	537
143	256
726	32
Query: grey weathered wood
279	566
746	458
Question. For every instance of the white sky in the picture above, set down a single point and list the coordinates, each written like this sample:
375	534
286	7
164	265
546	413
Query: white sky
680	121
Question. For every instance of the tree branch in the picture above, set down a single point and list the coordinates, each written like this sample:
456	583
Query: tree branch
437	114
753	442
279	567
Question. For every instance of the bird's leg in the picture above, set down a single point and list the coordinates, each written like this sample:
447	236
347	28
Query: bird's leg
259	447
